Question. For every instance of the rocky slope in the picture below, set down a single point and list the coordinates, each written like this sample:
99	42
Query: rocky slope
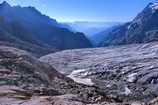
17	96
144	28
28	29
26	81
128	72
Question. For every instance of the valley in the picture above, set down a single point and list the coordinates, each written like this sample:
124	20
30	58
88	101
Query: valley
28	29
46	62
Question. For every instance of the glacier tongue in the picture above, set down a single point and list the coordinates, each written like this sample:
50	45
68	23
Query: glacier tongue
129	71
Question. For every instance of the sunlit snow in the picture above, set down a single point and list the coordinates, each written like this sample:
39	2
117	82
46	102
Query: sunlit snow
76	78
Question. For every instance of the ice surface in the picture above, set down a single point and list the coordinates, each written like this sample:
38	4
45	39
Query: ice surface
75	76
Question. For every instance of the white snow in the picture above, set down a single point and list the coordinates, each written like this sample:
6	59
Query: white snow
135	103
75	76
80	71
129	26
127	91
154	7
152	66
131	77
108	85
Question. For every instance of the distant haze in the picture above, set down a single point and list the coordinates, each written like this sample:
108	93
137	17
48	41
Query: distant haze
91	28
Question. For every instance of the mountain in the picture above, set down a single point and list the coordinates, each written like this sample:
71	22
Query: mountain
144	28
98	38
91	28
128	72
28	29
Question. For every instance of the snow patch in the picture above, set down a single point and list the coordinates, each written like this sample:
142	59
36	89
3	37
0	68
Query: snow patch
129	26
82	72
153	6
152	66
132	77
75	75
127	91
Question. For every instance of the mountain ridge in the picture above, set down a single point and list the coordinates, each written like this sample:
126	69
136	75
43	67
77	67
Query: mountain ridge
143	28
27	25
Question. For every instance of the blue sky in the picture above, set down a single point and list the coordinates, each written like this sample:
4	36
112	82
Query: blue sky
86	10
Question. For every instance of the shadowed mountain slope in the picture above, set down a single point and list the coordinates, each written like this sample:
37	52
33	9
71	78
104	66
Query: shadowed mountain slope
28	29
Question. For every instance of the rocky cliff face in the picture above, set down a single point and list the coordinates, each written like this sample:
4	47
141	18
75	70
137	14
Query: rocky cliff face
144	28
128	72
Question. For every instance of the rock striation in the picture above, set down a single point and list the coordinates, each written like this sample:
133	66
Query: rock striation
128	72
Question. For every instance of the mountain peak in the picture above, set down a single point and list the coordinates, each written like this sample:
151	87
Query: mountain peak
153	3
5	3
153	6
